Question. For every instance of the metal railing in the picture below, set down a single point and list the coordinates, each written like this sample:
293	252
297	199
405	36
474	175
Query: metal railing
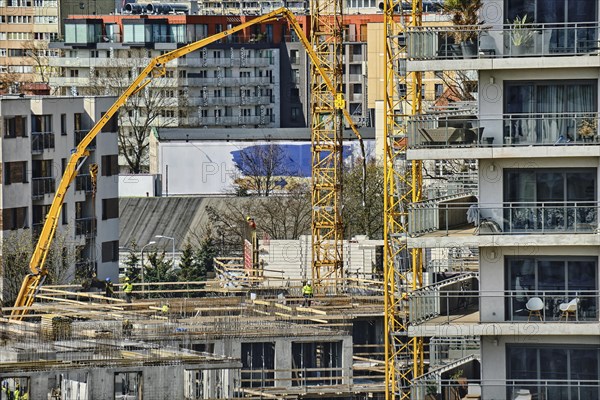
443	350
41	141
448	300
530	40
41	187
85	226
504	218
543	129
83	183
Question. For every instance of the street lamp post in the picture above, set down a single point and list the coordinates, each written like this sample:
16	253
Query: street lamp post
173	249
142	260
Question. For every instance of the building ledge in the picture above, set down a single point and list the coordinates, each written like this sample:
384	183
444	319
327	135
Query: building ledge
498	152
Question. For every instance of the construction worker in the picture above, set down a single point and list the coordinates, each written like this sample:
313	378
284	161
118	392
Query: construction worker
109	289
17	392
128	289
127	328
165	310
307	292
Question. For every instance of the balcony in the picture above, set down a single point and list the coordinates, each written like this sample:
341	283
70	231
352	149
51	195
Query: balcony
234	121
85	227
506	130
523	218
499	44
41	187
41	141
83	183
79	135
229	81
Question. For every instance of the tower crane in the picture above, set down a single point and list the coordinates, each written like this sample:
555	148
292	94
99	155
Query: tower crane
330	110
404	356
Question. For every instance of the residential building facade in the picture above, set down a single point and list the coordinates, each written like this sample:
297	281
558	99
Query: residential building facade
38	136
531	301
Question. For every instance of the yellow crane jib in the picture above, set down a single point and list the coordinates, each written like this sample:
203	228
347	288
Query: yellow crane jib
155	68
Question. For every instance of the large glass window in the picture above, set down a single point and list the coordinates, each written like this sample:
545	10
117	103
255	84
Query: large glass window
542	112
554	280
553	372
550	199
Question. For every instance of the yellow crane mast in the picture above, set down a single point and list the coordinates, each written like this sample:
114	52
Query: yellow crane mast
327	110
404	358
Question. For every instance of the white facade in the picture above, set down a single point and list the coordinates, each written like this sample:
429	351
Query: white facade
38	135
535	221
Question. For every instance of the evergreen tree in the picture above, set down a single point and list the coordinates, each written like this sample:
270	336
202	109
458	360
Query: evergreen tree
188	264
132	262
205	254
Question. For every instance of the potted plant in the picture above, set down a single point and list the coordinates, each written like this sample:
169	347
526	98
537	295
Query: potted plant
521	35
465	17
587	129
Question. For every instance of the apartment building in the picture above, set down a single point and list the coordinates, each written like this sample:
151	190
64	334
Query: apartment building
26	26
37	137
522	322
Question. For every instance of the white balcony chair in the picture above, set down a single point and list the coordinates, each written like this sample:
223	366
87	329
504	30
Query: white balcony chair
523	394
535	305
568	308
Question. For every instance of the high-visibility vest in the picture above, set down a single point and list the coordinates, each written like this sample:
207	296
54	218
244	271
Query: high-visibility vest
165	309
128	287
307	290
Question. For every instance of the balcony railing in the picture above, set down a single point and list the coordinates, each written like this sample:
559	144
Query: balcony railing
83	183
41	186
85	227
213	82
542	129
447	388
450	299
529	40
79	135
41	141
505	218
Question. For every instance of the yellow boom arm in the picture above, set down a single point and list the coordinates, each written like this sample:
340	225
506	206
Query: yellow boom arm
156	68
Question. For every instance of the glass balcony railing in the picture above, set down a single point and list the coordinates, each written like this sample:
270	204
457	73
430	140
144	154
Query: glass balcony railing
540	129
446	302
41	187
41	141
507	218
528	40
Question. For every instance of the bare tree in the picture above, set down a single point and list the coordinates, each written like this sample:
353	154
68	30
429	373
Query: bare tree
363	200
8	81
260	165
17	248
155	106
280	217
37	52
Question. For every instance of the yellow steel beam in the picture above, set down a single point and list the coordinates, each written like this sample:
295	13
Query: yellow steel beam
403	183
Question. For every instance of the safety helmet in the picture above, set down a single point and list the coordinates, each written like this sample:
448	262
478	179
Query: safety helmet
126	279
309	283
107	279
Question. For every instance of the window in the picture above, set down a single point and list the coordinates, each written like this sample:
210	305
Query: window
566	372
110	208
15	126
77	122
294	56
110	251
295	114
439	90
14	218
15	172
550	199
112	125
74	73
555	280
41	123
65	215
128	384
182	73
110	165
565	103
63	124
258	364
